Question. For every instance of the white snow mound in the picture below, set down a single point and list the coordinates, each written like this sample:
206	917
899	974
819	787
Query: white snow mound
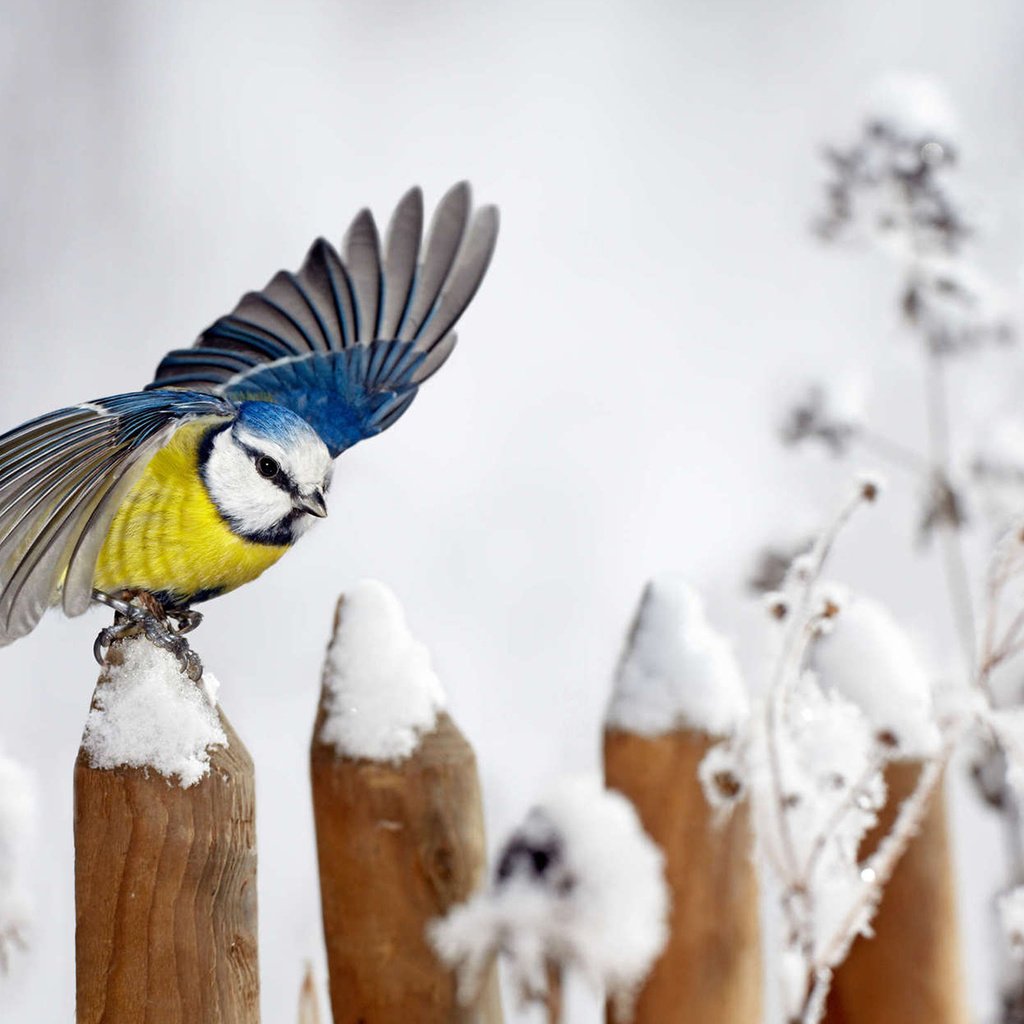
382	694
677	671
869	659
149	714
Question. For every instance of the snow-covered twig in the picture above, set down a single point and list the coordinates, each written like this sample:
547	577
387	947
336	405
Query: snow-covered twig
894	186
579	884
846	697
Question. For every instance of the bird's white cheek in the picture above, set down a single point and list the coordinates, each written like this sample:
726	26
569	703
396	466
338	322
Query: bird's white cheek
241	496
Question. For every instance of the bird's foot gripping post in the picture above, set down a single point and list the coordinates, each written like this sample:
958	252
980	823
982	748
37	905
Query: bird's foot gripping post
141	613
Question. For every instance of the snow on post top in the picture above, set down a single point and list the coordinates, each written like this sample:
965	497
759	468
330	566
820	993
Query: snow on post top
676	671
148	714
579	883
868	659
381	694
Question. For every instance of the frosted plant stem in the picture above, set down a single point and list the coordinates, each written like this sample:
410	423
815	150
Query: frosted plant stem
814	1005
881	864
878	871
797	904
955	565
795	643
875	763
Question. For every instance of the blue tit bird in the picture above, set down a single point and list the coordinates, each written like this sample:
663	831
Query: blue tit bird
154	501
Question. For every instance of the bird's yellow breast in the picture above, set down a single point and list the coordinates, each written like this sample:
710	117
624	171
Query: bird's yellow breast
168	537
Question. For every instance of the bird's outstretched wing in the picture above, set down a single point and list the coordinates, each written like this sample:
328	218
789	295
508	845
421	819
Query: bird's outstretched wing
346	342
62	478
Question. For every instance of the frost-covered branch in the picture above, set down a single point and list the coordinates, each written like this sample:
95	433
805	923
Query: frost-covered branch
847	697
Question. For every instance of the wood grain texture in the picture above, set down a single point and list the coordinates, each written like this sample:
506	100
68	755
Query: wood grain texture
910	972
165	894
710	970
398	845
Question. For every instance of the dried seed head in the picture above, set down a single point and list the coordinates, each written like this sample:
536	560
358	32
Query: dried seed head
727	784
870	487
887	738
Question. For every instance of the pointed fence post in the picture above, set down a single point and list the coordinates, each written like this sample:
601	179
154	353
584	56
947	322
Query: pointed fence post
165	876
677	693
399	821
910	971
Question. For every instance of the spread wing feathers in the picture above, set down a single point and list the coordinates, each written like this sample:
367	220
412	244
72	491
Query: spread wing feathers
62	478
347	342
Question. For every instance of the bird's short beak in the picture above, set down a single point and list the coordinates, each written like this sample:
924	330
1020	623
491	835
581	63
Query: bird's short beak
313	503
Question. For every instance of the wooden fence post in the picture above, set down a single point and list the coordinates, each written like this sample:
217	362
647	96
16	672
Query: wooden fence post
400	841
165	889
909	972
710	970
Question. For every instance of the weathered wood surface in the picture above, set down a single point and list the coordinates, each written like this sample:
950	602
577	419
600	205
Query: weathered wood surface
165	894
710	970
910	972
398	845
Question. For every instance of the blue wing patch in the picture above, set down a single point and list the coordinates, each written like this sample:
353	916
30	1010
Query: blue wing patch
62	478
345	343
347	396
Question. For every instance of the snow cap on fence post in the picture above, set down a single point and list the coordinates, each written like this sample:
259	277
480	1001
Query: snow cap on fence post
381	694
868	659
676	671
147	713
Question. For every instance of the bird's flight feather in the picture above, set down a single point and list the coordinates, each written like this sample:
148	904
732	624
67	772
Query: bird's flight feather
346	343
62	478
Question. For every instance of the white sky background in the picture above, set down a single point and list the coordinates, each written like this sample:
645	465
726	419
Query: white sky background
607	414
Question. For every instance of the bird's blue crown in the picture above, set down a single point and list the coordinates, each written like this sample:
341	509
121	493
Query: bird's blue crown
274	422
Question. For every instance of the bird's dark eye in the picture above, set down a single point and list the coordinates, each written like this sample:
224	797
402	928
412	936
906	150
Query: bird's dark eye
266	466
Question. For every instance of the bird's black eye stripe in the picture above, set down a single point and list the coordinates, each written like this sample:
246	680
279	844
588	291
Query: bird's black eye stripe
267	467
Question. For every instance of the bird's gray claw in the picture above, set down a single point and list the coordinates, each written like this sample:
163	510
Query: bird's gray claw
107	636
160	634
186	618
130	620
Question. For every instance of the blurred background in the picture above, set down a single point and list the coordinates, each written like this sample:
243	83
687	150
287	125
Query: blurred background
656	298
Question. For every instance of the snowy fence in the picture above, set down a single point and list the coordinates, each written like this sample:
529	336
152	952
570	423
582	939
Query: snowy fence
166	853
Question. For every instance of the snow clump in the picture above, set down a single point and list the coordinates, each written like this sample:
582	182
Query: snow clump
677	671
579	883
868	658
381	694
148	714
17	825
